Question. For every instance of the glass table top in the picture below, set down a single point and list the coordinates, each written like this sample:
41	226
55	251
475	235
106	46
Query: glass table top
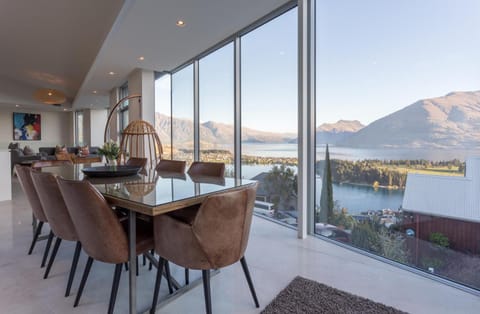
150	188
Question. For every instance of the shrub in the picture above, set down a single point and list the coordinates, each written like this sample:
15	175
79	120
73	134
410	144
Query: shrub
439	239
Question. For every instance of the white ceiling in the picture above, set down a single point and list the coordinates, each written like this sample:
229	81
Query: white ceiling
72	45
49	44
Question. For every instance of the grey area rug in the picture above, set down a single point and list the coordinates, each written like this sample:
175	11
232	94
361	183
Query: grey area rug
308	296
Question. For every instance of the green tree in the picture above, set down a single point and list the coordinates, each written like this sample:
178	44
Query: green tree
326	197
364	236
281	186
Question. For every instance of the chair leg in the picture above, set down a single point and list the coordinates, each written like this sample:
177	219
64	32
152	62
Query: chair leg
126	266
136	270
35	236
52	257
249	280
206	290
84	280
144	260
158	280
73	268
47	249
152	251
116	281
169	278
187	275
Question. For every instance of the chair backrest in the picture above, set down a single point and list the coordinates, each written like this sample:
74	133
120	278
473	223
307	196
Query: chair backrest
98	229
23	173
137	162
222	225
211	169
172	166
50	163
54	205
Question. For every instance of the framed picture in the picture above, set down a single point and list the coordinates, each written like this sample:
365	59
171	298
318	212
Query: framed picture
27	127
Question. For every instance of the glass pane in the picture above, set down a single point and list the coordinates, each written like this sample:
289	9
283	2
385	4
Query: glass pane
399	107
216	108
163	113
182	114
269	115
79	125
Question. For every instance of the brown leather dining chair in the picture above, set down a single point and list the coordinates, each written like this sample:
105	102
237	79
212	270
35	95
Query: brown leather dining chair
102	236
23	173
173	166
59	219
137	162
216	237
198	169
210	169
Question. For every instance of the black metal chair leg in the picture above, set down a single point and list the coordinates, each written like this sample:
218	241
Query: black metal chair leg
136	270
249	280
169	278
84	280
116	281
152	251
144	260
126	266
52	257
47	249
158	280
187	281
73	268
35	237
206	290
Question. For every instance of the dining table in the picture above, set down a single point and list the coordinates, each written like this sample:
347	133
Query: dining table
149	193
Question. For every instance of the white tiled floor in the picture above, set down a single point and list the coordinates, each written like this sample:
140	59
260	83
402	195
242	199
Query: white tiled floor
275	256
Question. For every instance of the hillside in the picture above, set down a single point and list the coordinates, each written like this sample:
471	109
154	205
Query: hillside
451	121
214	132
332	133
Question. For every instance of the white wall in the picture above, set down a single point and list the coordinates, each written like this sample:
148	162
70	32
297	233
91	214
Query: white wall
142	82
57	129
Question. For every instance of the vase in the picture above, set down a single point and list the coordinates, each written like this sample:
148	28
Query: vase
111	162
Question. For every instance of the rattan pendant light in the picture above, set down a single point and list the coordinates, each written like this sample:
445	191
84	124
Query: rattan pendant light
139	139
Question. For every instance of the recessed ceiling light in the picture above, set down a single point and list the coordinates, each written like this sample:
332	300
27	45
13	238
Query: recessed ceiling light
111	73
94	92
17	106
64	109
180	23
50	94
141	58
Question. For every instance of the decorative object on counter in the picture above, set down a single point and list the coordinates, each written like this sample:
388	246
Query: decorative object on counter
111	151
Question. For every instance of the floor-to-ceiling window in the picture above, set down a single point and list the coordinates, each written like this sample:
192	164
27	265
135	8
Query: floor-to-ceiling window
216	109
79	139
182	114
163	113
269	115
123	109
397	116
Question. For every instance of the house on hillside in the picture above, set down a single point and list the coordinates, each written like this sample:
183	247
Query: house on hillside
447	205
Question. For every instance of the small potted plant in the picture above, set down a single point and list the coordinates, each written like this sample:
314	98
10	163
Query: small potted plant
111	151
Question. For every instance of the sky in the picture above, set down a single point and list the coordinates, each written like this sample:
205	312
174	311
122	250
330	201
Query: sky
373	57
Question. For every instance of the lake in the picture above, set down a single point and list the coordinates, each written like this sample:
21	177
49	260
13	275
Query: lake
290	150
355	198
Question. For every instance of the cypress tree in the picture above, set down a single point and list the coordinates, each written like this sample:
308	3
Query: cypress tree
326	197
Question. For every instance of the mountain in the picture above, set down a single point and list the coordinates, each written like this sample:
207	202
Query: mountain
214	132
331	133
451	121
